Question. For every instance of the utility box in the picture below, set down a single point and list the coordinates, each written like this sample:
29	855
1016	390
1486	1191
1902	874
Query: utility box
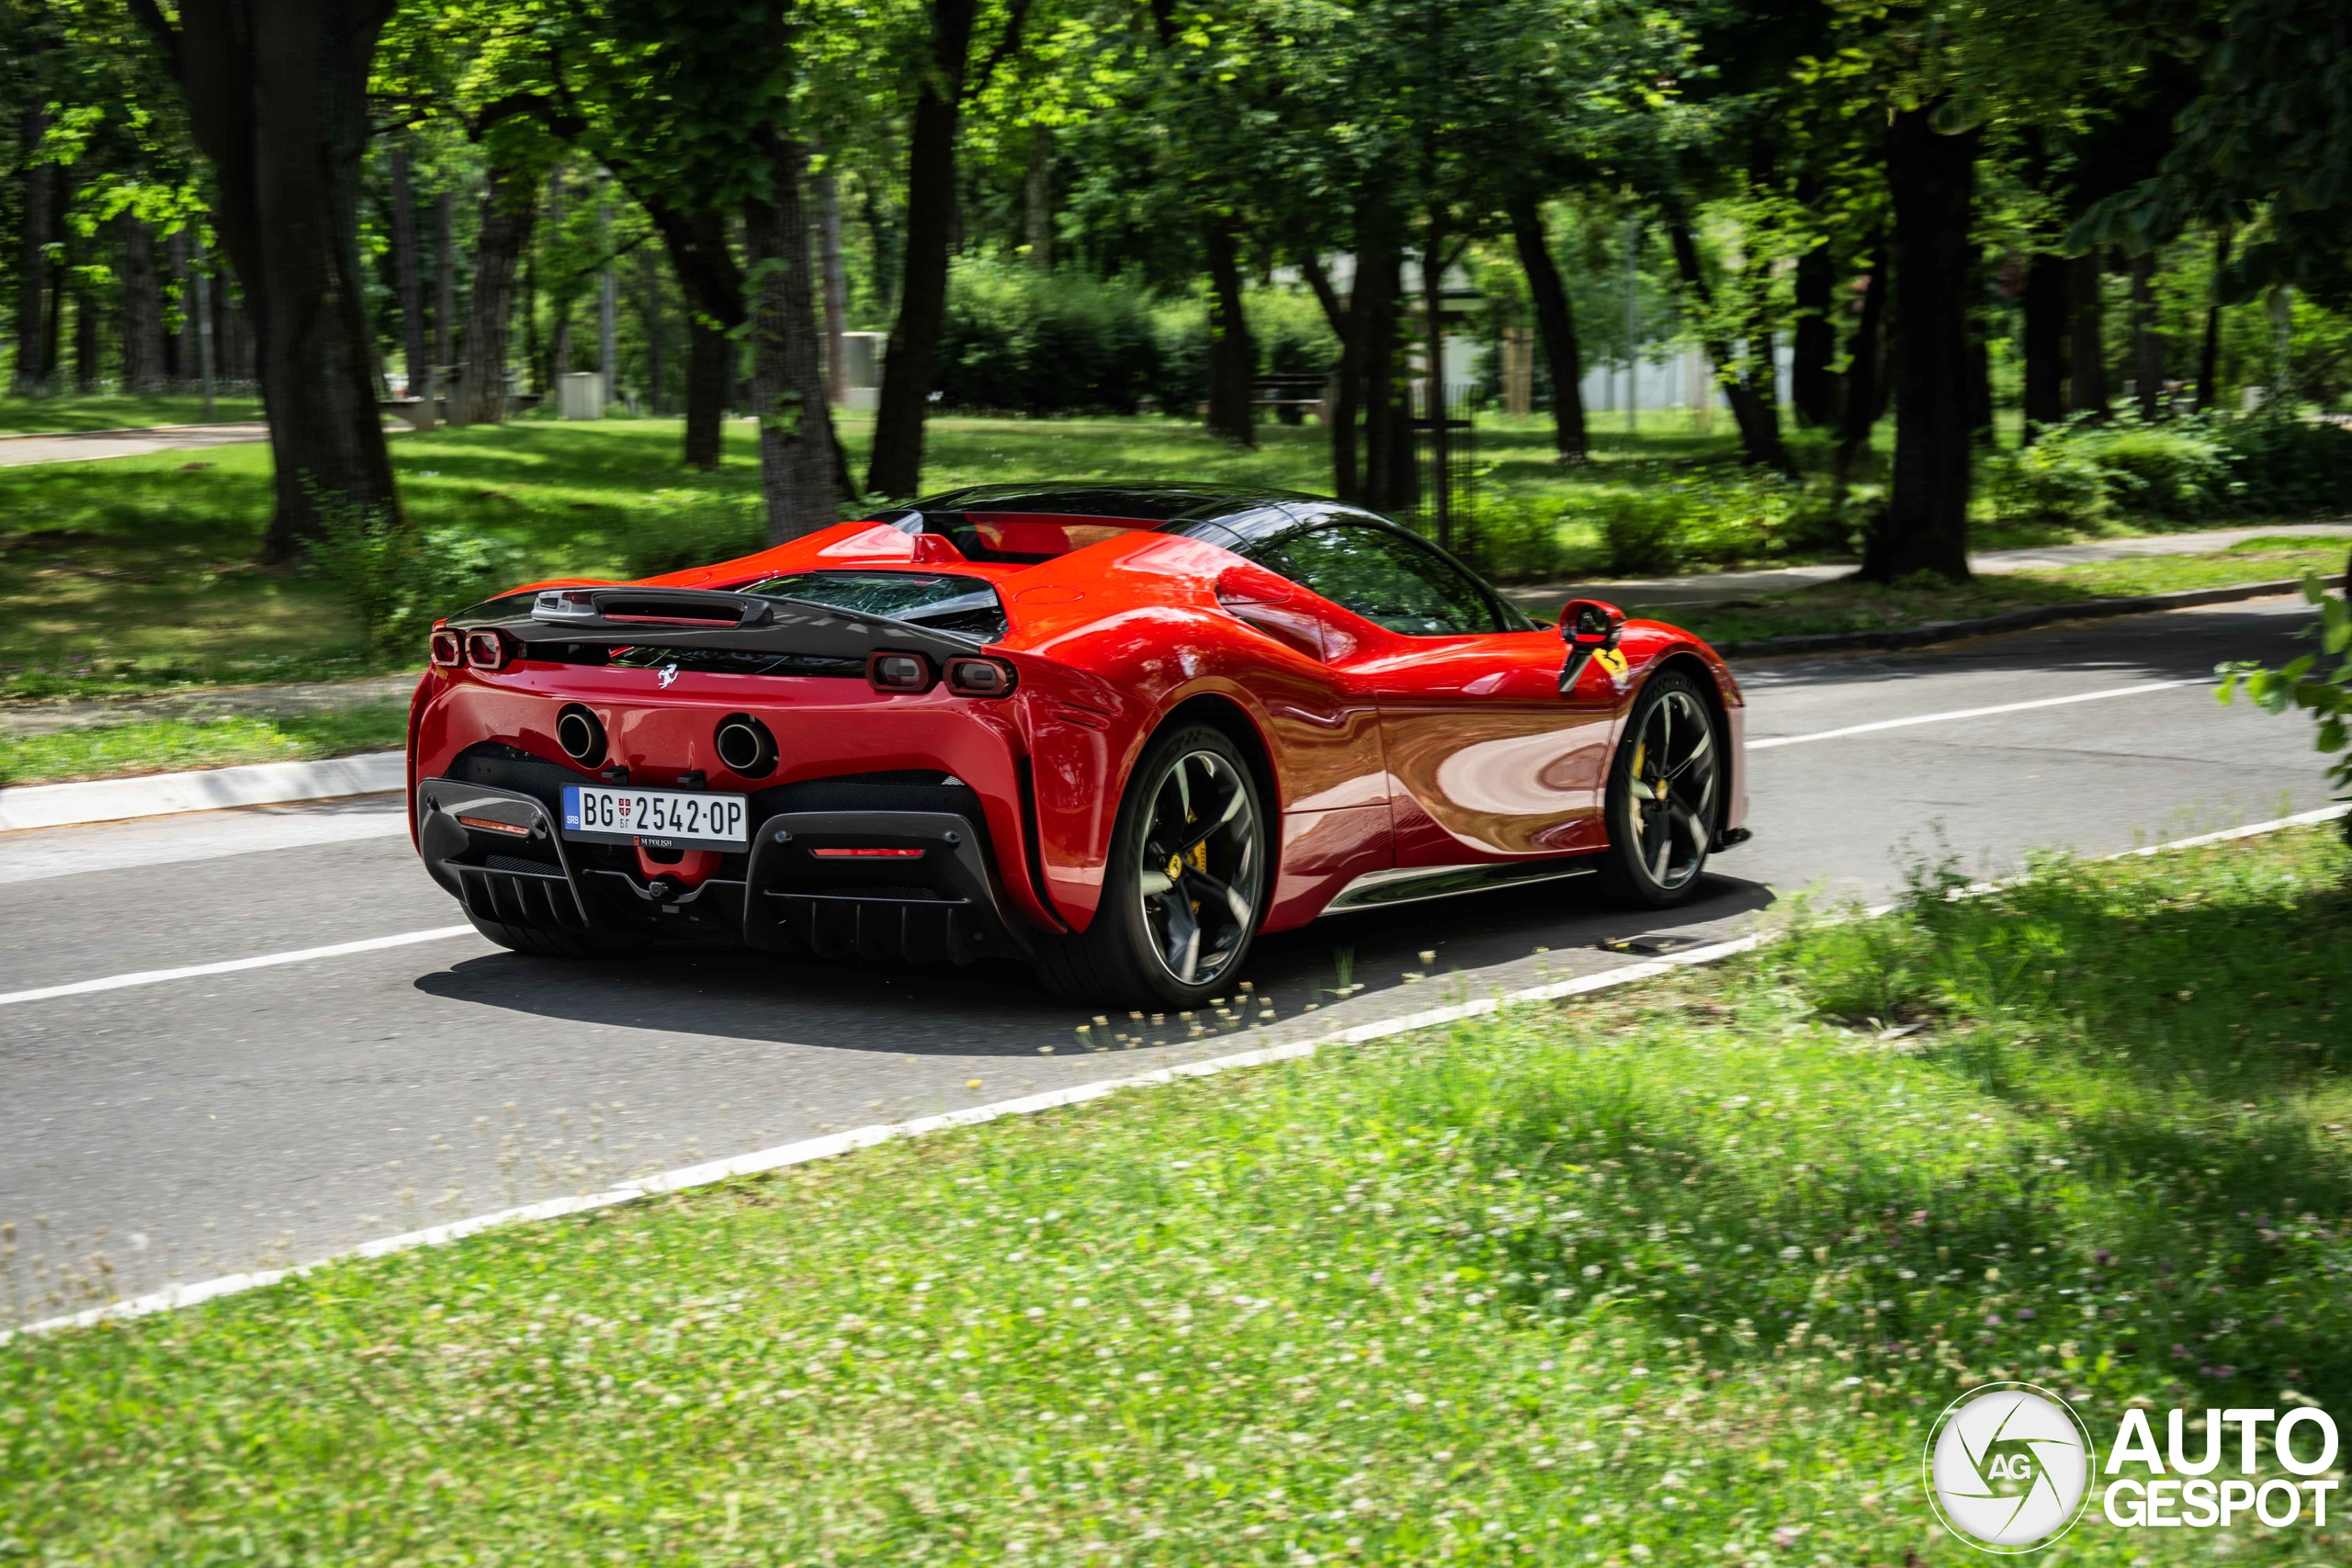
580	394
862	357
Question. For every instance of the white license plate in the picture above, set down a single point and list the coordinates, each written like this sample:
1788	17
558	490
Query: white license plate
666	818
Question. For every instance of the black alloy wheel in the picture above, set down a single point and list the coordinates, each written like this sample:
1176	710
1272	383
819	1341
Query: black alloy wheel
1665	796
1186	885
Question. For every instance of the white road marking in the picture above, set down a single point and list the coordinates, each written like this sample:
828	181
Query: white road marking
231	967
1770	741
837	1143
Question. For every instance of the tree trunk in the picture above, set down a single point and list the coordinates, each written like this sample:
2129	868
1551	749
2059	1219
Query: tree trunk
2209	351
143	309
1037	200
437	380
2087	358
509	206
836	281
86	340
1556	323
1865	399
180	342
2045	344
895	466
558	345
1812	386
37	182
787	371
1372	310
1757	416
1433	405
411	279
277	95
1341	391
1932	181
2147	348
713	286
654	321
1233	360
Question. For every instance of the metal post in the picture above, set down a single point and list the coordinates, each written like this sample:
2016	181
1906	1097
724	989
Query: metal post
204	322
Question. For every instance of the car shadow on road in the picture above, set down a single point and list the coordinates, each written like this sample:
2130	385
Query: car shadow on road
984	1010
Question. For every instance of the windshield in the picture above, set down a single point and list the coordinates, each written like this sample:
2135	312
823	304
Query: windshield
965	606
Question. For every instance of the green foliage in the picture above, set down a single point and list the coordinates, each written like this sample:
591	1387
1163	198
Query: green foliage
1020	340
2306	684
2289	466
680	528
2054	481
2081	473
1714	519
1511	539
397	577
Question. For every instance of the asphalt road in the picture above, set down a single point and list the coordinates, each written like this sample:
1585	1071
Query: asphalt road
200	1125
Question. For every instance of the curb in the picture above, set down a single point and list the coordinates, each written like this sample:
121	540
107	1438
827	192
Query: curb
835	1145
207	789
1933	632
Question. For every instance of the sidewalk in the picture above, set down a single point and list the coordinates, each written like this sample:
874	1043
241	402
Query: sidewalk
1714	588
85	446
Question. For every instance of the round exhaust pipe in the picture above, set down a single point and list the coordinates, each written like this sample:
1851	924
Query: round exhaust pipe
581	734
746	746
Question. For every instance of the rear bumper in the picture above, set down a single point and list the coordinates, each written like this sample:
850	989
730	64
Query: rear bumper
779	896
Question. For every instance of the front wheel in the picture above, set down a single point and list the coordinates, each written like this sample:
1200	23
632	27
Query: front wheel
1665	796
1185	886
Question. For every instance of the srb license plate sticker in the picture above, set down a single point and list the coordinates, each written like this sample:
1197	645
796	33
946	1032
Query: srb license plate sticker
662	816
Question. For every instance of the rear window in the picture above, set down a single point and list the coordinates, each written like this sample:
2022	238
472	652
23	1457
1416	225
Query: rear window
965	606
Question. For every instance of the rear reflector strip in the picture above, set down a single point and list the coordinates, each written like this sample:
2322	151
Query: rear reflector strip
487	826
867	855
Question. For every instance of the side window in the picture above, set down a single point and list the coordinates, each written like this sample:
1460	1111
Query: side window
1388	579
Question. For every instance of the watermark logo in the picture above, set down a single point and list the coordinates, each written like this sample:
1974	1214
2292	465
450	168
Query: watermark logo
2008	1467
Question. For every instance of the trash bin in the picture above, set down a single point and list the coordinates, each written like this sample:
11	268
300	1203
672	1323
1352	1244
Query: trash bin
580	394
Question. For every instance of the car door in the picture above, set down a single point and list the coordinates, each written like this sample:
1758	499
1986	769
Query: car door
1486	758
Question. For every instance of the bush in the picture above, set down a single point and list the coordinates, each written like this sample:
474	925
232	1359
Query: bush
2283	465
1716	519
693	528
399	577
1511	539
1036	343
2176	469
2053	482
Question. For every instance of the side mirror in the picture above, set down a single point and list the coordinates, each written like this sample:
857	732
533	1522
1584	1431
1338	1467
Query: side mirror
1587	626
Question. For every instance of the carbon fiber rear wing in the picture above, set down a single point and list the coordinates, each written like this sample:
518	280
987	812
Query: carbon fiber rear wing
701	618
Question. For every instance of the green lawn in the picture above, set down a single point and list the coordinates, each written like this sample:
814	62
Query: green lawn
1846	605
167	745
28	415
1674	1275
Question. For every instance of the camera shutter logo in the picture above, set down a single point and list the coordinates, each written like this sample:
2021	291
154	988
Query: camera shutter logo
2008	1467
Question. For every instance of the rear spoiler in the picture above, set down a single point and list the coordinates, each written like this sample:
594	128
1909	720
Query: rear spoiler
700	617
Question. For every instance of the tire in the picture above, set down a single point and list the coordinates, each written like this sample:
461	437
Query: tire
1665	796
537	943
1162	941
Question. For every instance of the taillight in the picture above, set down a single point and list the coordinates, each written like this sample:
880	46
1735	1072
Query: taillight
448	649
864	853
981	677
486	650
899	672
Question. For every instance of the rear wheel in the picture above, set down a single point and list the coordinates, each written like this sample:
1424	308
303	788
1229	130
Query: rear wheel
1185	886
1665	796
538	944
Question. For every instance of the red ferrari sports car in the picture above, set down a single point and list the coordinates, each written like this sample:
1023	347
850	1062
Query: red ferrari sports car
1113	731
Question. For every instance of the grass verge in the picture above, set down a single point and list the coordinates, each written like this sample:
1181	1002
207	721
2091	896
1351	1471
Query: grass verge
1845	605
30	416
1677	1274
162	746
